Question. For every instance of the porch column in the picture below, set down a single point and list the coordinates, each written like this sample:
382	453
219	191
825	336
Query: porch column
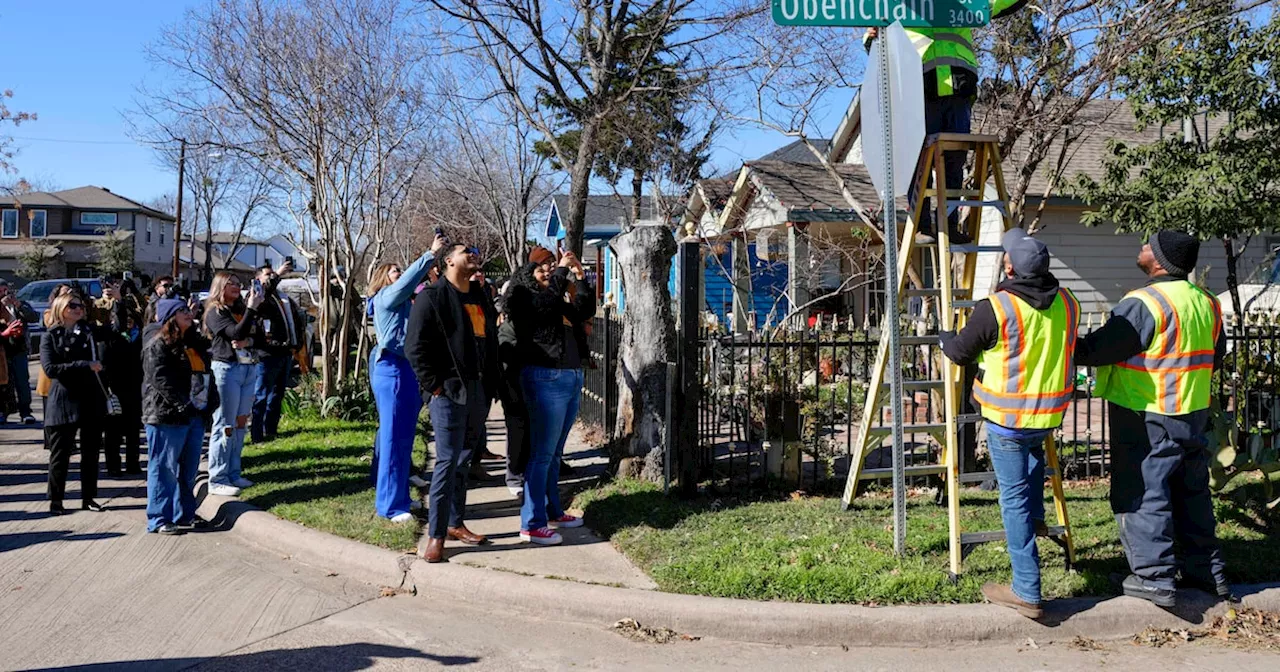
798	270
742	303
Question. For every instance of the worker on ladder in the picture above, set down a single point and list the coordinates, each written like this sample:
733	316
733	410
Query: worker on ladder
1023	337
950	86
1158	351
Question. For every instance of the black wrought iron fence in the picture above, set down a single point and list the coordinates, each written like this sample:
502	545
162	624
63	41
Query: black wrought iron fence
600	389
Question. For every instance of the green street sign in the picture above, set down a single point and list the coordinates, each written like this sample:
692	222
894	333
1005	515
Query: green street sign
912	13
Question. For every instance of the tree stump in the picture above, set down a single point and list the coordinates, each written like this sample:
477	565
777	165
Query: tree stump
648	343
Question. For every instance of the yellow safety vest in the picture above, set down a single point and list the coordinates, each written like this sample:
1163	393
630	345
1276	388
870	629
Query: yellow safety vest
1173	376
1027	379
944	50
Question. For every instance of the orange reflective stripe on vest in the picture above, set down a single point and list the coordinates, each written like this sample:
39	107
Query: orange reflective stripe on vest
1028	380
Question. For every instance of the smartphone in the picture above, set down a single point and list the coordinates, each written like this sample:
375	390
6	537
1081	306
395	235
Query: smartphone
257	286
128	275
440	231
289	260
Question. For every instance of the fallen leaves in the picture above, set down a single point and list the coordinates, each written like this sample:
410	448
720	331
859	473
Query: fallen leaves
1244	627
631	629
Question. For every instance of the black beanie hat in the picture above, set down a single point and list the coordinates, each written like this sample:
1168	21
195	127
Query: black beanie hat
1176	251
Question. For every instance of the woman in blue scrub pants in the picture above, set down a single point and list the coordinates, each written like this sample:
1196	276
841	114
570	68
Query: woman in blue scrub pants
395	389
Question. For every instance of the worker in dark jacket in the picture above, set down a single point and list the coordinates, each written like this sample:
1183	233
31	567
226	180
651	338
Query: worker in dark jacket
451	343
1023	337
77	400
548	342
1158	352
178	387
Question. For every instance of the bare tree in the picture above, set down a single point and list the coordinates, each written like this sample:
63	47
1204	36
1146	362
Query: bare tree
329	95
8	116
575	64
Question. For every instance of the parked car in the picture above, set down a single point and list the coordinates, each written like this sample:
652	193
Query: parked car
37	294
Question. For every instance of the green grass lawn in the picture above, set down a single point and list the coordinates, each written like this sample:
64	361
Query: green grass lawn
809	550
316	473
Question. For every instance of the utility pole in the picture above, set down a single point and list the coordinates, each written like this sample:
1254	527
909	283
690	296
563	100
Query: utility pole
177	225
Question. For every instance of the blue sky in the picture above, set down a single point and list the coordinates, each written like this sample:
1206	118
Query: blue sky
77	64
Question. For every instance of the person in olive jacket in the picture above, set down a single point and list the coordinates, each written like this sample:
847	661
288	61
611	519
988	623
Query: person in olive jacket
77	401
177	380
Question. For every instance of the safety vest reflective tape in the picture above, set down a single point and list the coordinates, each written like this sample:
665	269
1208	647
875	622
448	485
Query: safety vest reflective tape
1173	376
1027	380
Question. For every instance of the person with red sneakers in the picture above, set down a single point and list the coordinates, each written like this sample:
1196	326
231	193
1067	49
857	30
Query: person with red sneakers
548	330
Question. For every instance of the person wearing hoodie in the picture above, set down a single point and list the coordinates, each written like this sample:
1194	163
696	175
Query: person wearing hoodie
1023	337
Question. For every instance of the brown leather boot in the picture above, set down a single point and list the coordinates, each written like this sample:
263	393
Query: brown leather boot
1004	596
461	533
434	550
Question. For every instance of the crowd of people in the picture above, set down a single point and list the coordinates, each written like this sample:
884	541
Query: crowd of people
445	336
170	364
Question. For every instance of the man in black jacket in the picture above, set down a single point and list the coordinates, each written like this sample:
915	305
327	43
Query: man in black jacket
283	329
452	344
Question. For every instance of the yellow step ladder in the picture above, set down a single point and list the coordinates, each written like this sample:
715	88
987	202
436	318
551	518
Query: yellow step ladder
954	300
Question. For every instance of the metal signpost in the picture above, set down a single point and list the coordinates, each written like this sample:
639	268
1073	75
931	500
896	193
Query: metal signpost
881	14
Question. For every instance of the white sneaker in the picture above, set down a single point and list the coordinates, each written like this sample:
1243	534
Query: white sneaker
516	492
223	490
566	521
415	505
244	483
28	419
403	518
418	481
544	536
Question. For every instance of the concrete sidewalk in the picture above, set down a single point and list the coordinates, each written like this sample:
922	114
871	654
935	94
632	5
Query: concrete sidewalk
492	511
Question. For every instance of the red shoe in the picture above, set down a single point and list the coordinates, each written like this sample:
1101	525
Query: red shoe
566	521
544	536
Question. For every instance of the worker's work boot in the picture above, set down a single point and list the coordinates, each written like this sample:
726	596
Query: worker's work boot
997	593
1136	586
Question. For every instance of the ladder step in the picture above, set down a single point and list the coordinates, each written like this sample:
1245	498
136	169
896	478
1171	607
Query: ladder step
917	428
968	418
913	470
967	138
916	385
971	248
998	535
963	304
956	204
984	476
934	291
927	339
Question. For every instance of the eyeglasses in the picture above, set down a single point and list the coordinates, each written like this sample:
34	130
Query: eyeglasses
75	306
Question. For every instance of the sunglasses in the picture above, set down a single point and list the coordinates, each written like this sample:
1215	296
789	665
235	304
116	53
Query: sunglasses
75	306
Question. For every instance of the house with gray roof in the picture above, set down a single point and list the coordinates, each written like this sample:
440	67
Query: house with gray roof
67	223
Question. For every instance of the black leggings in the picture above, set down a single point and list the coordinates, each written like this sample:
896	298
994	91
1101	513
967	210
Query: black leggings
61	441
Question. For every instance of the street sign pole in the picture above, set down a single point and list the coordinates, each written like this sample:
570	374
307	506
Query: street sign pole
890	224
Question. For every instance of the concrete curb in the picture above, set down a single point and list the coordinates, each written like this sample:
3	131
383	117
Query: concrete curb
723	618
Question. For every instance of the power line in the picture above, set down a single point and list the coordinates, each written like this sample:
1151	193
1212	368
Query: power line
70	141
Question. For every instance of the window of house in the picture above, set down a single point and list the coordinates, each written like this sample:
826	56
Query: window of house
162	234
10	224
98	218
39	223
148	230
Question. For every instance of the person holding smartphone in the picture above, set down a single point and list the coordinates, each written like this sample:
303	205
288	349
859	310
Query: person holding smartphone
229	322
281	329
394	388
15	314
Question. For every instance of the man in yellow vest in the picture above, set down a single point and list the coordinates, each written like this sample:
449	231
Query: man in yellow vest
1157	354
1023	337
950	86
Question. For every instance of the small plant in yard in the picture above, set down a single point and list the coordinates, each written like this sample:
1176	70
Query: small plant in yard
353	400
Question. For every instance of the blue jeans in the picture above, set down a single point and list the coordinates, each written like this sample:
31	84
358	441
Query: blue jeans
1018	461
20	378
236	384
273	373
395	389
173	460
552	396
460	433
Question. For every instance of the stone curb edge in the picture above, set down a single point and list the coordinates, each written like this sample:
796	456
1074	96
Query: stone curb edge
722	618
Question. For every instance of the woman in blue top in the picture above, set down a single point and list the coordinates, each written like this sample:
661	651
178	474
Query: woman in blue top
395	389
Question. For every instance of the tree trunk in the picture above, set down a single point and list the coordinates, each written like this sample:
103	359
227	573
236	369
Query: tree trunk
579	185
637	192
1233	280
648	344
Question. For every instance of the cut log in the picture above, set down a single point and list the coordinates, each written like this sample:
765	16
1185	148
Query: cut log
644	257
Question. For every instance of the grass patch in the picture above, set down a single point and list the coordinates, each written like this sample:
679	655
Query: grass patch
808	550
316	473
